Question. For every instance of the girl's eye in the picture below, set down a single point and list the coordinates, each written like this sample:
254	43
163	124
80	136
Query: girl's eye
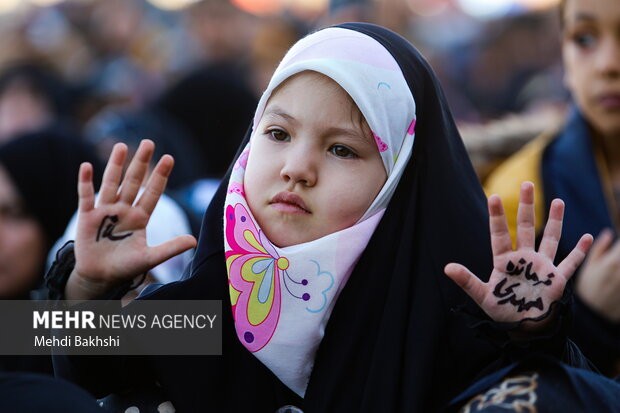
584	41
342	151
279	135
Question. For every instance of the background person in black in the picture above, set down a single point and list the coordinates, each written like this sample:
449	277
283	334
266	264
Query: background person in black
37	199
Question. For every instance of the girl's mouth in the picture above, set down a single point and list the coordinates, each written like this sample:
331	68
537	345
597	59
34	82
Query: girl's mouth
609	101
289	202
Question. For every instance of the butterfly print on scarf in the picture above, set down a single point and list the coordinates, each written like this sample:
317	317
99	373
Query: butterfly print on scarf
256	276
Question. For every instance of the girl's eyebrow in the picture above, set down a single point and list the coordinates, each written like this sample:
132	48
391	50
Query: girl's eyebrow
277	111
352	133
584	16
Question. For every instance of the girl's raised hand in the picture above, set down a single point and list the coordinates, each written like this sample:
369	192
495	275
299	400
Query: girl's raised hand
110	245
524	282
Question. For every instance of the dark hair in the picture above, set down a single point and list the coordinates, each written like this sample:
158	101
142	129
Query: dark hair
561	8
43	166
42	80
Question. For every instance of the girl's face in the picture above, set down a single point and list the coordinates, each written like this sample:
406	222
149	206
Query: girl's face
314	167
591	50
22	243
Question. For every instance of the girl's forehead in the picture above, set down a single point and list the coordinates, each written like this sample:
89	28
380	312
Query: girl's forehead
301	86
578	10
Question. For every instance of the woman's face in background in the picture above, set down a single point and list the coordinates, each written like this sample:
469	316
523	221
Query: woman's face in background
591	52
22	243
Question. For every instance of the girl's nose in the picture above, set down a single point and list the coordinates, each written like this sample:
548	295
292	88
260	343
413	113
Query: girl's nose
300	166
608	59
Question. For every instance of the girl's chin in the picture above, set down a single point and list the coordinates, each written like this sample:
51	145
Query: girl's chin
285	236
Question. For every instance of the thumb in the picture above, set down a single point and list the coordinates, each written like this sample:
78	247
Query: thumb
465	279
169	249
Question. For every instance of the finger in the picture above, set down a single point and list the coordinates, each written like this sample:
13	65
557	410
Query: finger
602	244
500	236
136	172
156	184
610	257
86	192
553	230
169	249
568	266
465	279
112	174
526	220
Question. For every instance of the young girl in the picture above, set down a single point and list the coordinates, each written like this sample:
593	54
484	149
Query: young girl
581	165
345	203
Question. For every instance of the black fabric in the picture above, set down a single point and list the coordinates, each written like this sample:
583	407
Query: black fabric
540	384
31	393
392	343
597	337
41	364
44	166
58	275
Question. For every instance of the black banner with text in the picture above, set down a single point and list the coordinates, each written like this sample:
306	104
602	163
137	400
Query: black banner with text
145	327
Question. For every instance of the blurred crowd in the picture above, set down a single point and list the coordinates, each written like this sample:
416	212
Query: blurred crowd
98	72
126	69
77	76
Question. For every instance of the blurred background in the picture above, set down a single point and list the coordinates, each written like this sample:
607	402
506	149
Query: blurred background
188	73
77	76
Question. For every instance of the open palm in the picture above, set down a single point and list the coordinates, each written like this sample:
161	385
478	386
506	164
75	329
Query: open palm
524	282
110	245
